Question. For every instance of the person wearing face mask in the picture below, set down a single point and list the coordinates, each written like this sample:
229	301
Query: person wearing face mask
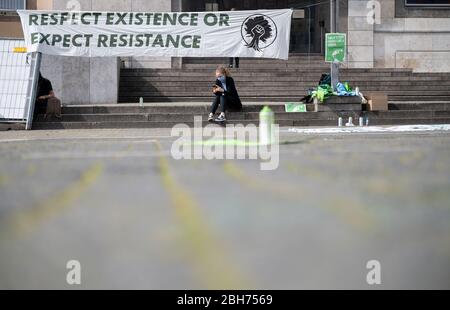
226	96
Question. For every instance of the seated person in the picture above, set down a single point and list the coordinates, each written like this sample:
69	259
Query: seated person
225	95
46	101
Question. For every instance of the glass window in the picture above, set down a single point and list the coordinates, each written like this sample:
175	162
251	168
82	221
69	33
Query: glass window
428	3
12	5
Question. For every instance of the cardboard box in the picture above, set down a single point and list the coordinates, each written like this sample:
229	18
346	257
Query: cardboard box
376	101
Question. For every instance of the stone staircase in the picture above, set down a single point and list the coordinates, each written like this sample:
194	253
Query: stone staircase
166	116
174	96
274	80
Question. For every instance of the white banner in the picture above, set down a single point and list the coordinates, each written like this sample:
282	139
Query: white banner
260	33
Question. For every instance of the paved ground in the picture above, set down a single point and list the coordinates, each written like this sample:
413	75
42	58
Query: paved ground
134	217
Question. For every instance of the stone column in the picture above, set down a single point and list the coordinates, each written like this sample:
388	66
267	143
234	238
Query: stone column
148	61
360	35
82	80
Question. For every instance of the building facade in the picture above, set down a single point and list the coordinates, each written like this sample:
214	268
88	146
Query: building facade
411	34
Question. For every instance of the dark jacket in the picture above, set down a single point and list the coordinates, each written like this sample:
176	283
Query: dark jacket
233	100
43	89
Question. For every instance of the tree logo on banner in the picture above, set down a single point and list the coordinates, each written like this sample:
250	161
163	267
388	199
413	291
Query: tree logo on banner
258	31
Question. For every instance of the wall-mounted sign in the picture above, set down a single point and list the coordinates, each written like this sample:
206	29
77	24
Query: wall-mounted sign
335	47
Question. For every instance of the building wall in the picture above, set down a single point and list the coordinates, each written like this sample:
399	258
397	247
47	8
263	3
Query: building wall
10	26
147	62
419	39
359	36
405	37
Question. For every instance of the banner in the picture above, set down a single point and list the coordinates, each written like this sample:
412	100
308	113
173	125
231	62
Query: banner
259	33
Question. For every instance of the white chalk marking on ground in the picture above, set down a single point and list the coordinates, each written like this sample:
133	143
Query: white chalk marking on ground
88	155
13	140
371	129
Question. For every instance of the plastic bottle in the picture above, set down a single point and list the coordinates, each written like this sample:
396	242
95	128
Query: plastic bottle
350	122
141	101
340	122
266	121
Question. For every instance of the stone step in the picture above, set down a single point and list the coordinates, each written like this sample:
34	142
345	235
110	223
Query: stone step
304	122
365	80
408	97
269	92
313	64
225	60
420	105
343	69
246	70
187	117
285	78
279	87
266	99
277	83
159	108
128	99
203	107
258	73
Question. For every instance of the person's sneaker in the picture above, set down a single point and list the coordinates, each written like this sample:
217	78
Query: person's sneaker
221	118
210	117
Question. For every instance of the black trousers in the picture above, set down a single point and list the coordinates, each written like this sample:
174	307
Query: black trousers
225	103
236	61
40	107
218	100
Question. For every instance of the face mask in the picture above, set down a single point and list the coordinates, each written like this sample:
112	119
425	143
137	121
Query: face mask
222	78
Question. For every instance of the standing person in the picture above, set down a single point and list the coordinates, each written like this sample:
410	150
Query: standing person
225	95
46	101
235	64
236	59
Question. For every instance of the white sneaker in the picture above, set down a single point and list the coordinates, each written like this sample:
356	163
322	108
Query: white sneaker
221	118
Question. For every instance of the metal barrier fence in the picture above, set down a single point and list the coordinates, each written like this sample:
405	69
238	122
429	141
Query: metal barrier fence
18	76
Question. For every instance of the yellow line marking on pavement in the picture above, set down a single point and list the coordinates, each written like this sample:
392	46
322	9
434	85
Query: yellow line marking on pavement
31	170
348	210
4	180
346	207
25	221
285	190
208	257
411	158
126	151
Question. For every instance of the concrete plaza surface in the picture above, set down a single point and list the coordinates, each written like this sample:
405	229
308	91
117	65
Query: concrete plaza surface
135	218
